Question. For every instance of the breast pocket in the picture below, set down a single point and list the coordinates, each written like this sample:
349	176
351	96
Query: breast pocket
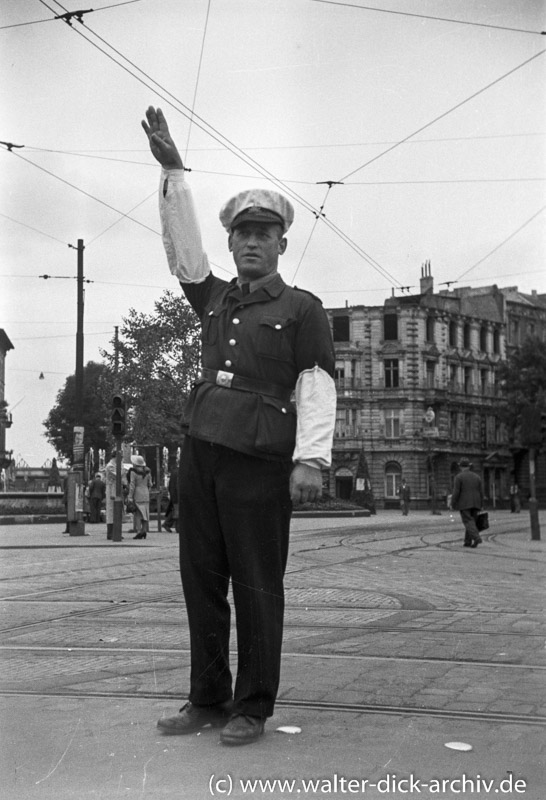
275	337
209	327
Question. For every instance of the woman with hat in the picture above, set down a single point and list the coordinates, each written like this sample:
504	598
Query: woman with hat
139	495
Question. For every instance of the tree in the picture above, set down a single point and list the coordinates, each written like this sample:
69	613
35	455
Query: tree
523	379
98	385
157	363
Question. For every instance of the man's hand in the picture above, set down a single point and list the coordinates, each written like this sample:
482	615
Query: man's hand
161	144
305	484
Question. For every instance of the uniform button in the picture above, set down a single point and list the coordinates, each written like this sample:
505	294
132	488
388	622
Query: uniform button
211	313
232	342
236	321
278	327
228	363
283	410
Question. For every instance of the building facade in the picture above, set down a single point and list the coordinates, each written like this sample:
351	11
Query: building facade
418	389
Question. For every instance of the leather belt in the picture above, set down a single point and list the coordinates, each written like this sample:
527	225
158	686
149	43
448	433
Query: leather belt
231	381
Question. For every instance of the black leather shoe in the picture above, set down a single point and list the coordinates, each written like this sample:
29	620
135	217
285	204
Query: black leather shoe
140	536
192	718
476	542
242	729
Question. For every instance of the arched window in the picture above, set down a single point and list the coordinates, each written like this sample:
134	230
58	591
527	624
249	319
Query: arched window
393	477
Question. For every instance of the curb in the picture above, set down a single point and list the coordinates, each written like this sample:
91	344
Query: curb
365	512
32	519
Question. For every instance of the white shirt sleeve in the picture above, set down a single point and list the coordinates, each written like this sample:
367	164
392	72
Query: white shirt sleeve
316	406
180	229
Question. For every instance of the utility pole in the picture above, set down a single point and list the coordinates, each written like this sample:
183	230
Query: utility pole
119	411
76	525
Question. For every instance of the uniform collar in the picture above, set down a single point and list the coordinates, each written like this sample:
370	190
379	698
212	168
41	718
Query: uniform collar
272	284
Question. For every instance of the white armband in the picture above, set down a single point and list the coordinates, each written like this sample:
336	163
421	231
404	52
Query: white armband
180	229
316	405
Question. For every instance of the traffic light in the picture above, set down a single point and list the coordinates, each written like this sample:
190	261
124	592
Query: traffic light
118	415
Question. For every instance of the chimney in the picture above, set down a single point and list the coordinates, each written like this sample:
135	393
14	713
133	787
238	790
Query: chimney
427	281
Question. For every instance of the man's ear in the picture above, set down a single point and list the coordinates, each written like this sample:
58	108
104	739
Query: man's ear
283	244
229	241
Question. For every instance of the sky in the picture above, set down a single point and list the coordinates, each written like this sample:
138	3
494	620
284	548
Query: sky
403	131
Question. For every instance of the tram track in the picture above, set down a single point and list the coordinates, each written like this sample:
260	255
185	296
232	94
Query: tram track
309	705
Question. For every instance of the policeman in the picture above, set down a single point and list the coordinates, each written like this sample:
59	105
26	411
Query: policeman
247	455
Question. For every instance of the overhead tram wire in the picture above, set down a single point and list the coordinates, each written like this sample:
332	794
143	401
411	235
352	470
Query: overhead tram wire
325	145
87	194
34	149
197	79
317	217
429	16
257	166
217	136
511	236
445	114
37	21
185	111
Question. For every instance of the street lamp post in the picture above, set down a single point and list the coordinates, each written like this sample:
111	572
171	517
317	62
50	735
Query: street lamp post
430	431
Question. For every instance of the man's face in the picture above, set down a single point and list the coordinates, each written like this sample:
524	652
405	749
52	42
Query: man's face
256	247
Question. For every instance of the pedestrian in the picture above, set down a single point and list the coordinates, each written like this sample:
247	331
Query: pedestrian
247	456
139	495
171	515
467	498
110	473
515	502
405	497
97	493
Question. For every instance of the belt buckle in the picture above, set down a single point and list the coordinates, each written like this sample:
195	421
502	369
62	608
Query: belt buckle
224	378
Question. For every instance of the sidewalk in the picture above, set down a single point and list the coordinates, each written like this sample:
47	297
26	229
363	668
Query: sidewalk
397	641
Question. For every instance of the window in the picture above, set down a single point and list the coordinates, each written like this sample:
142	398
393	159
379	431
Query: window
468	380
341	329
391	373
468	427
453	334
431	374
392	423
466	336
345	419
453	374
483	339
393	473
390	326
430	329
453	417
496	341
484	380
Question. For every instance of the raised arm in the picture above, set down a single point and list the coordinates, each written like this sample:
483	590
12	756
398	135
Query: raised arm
161	142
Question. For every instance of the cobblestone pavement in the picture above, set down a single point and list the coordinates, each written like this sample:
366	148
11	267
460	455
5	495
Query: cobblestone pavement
384	615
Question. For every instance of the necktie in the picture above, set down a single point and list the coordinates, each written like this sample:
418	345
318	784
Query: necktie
245	288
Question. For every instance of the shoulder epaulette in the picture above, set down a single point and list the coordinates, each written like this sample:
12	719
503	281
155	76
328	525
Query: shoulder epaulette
305	291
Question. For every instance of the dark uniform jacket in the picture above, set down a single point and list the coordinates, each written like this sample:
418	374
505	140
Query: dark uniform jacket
270	335
467	491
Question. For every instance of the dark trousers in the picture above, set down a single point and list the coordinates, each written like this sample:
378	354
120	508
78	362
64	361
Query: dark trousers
468	516
234	521
95	504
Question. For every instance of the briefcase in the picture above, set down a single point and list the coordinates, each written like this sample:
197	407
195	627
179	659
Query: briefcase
482	520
